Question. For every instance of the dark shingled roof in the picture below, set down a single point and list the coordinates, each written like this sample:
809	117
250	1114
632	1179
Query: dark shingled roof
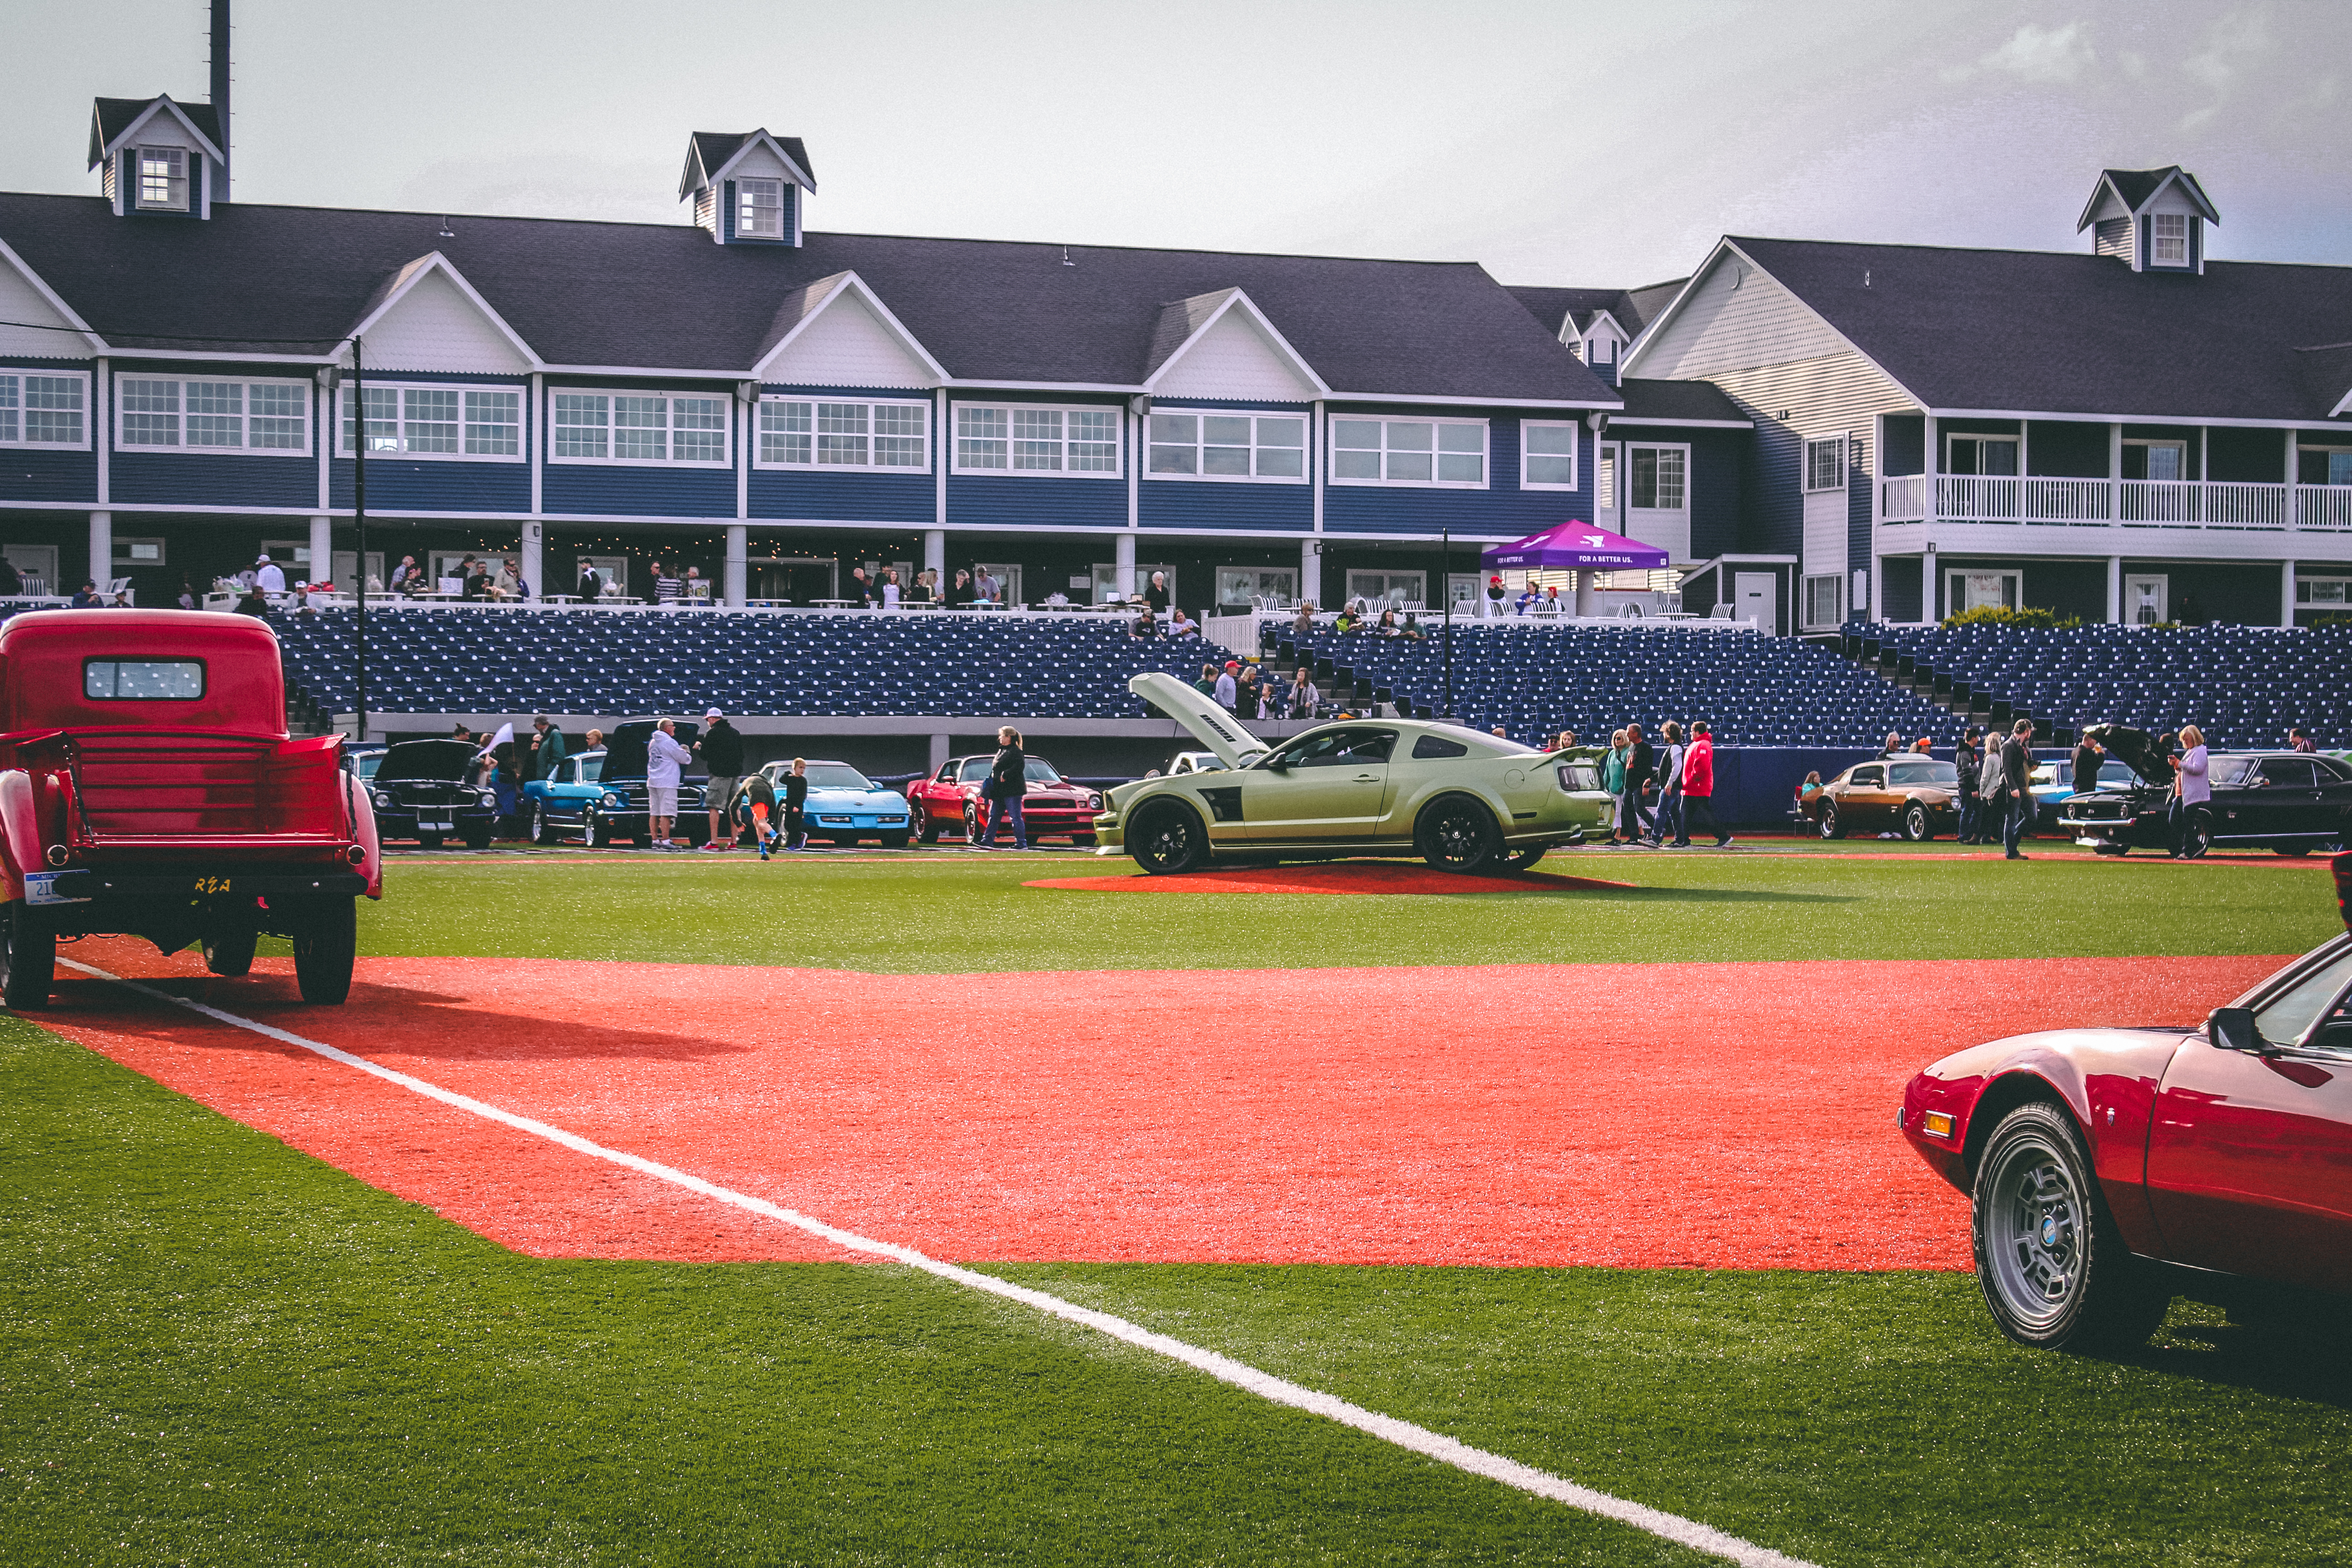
111	117
1677	400
2135	185
713	148
1635	309
2049	333
661	297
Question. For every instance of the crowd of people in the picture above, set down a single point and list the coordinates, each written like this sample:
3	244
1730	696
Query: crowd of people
1661	787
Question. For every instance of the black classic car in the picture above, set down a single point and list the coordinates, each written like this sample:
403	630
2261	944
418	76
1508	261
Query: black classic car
421	792
2292	802
618	810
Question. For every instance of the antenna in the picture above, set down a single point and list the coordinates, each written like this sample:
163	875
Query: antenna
220	85
1866	277
1065	258
446	232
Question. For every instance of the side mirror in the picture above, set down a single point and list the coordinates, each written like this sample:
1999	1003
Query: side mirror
1276	764
2232	1029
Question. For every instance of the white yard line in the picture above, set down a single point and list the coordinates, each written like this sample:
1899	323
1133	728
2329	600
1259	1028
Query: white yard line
1265	1385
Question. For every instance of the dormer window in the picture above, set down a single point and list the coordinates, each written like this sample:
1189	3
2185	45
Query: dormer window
2168	240
759	209
164	179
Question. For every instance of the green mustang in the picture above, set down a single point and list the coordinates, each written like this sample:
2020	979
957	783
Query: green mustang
1460	800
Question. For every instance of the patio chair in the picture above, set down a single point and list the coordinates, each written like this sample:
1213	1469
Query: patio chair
1722	612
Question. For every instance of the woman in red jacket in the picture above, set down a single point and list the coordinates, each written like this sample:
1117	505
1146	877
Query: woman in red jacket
1698	786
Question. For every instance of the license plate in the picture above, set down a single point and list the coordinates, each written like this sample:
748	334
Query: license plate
41	887
437	825
2090	843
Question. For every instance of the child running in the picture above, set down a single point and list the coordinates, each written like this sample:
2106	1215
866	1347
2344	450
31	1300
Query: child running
753	805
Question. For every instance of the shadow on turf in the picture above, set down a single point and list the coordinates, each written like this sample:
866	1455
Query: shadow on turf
2283	1343
1684	896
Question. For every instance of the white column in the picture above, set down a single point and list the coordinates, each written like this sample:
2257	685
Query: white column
2293	462
1586	602
534	558
2115	473
101	553
1122	576
322	549
1310	573
2287	592
1928	584
935	555
739	547
1877	586
2115	590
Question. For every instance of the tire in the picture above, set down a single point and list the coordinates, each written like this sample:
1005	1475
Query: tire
428	841
2292	851
2199	835
2053	1268
324	953
970	822
1082	840
1169	839
600	832
542	830
1831	826
1915	823
2115	849
29	959
1523	859
229	953
1455	833
927	826
895	840
479	838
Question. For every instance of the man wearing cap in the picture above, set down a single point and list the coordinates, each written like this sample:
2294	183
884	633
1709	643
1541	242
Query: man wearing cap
1495	594
547	751
270	577
1228	691
722	753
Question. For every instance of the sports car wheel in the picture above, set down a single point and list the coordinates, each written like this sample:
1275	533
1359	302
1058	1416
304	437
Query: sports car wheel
894	841
1168	838
600	832
927	826
542	830
428	841
2053	1267
1457	834
479	838
29	959
2292	851
229	952
1915	823
1520	859
1831	826
970	822
2200	835
323	953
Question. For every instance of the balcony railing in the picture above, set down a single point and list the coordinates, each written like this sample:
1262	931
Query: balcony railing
2135	503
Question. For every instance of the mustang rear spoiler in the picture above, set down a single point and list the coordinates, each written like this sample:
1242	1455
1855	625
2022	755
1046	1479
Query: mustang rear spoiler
2343	864
1210	725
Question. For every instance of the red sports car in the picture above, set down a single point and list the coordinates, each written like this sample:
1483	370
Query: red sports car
2096	1158
948	802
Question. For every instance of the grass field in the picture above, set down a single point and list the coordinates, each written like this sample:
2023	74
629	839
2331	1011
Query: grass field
217	1349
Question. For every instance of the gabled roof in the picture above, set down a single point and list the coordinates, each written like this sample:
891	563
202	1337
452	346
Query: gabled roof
656	296
387	294
1632	309
1183	322
2138	187
2327	375
1679	403
708	154
2046	332
112	119
804	304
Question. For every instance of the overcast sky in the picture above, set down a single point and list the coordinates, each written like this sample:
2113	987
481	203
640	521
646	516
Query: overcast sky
1557	144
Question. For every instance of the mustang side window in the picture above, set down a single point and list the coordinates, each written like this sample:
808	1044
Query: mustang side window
143	680
1430	746
2283	1019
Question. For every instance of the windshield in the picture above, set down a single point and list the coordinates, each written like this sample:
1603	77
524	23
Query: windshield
1040	771
591	769
837	775
366	764
2229	772
2286	1018
1933	775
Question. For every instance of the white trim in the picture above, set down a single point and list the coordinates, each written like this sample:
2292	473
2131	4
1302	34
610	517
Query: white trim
772	184
1575	453
1625	507
2046	415
1485	453
727	460
414	273
1305	448
1239	300
846	282
758	441
1844	440
521	392
244	416
952	437
761	137
1642	422
169	154
89	411
56	301
130	133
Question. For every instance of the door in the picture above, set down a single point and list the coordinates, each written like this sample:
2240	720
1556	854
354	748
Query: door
2282	800
1330	785
38	562
1757	593
347	565
2144	600
2250	1159
1868	802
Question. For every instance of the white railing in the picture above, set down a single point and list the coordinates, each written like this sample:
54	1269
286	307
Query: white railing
2065	501
2323	505
1975	498
1903	499
2135	503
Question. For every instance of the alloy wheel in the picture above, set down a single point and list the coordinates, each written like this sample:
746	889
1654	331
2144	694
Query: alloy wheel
2035	1233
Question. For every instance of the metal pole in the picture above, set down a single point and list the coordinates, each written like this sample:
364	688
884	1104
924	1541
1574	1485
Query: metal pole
359	517
1445	635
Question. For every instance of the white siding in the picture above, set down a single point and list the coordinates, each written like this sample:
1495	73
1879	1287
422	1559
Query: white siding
436	326
1234	360
1736	317
847	345
20	301
1825	534
758	163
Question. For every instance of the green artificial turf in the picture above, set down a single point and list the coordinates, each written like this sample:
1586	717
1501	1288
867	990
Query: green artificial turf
953	911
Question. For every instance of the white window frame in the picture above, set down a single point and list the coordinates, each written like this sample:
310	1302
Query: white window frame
1836	581
816	406
1012	438
2151	444
1390	581
1201	443
1575	453
182	412
1954	590
612	427
1436	451
2157	240
1813	448
14	408
126	552
2306	591
1954	437
1289	593
1625	481
744	205
175	178
521	394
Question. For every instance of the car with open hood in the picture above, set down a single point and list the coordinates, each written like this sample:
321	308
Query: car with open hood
1909	794
2291	802
2101	1164
422	790
1461	800
621	794
2052	784
949	800
845	805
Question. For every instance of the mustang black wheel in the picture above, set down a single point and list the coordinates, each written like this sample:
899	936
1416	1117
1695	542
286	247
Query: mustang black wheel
2053	1267
1520	859
229	952
428	841
479	838
1915	823
1168	838
323	950
1457	834
970	822
29	959
1831	826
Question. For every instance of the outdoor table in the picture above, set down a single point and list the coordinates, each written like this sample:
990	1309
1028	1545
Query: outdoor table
832	604
559	598
768	604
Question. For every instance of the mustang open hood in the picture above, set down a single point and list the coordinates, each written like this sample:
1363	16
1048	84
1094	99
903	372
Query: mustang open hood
2137	749
1210	725
442	760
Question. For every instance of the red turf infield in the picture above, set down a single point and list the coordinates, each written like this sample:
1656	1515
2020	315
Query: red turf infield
1731	1115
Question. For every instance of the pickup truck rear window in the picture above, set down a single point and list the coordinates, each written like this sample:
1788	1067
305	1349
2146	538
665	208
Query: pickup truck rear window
143	680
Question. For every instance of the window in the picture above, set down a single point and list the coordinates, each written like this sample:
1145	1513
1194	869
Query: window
639	428
1821	595
2339	467
137	552
1977	590
1547	455
1388	589
1409	452
760	208
143	680
1981	455
2156	459
1431	747
2323	591
440	422
1030	439
164	179
40	410
1229	447
1658	477
2168	240
1240	585
885	436
1825	464
214	416
1868	778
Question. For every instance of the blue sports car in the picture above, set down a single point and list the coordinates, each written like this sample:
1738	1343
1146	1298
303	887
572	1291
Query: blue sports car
845	805
561	806
601	795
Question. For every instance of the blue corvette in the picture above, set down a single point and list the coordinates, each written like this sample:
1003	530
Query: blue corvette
845	805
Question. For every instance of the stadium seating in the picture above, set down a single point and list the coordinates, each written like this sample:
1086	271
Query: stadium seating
1538	680
2243	686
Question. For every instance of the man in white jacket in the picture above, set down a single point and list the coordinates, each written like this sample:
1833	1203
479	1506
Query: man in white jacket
665	760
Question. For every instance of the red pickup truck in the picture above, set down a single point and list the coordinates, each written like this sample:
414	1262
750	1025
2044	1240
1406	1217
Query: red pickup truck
148	787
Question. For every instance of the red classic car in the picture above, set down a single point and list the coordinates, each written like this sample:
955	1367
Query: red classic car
2096	1158
948	802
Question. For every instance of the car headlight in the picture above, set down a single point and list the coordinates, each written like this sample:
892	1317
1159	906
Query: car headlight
610	801
382	801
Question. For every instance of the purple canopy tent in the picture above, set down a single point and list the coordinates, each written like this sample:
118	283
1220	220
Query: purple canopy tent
1573	546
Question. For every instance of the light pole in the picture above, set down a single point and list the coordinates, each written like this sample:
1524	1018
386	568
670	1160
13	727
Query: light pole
1445	631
